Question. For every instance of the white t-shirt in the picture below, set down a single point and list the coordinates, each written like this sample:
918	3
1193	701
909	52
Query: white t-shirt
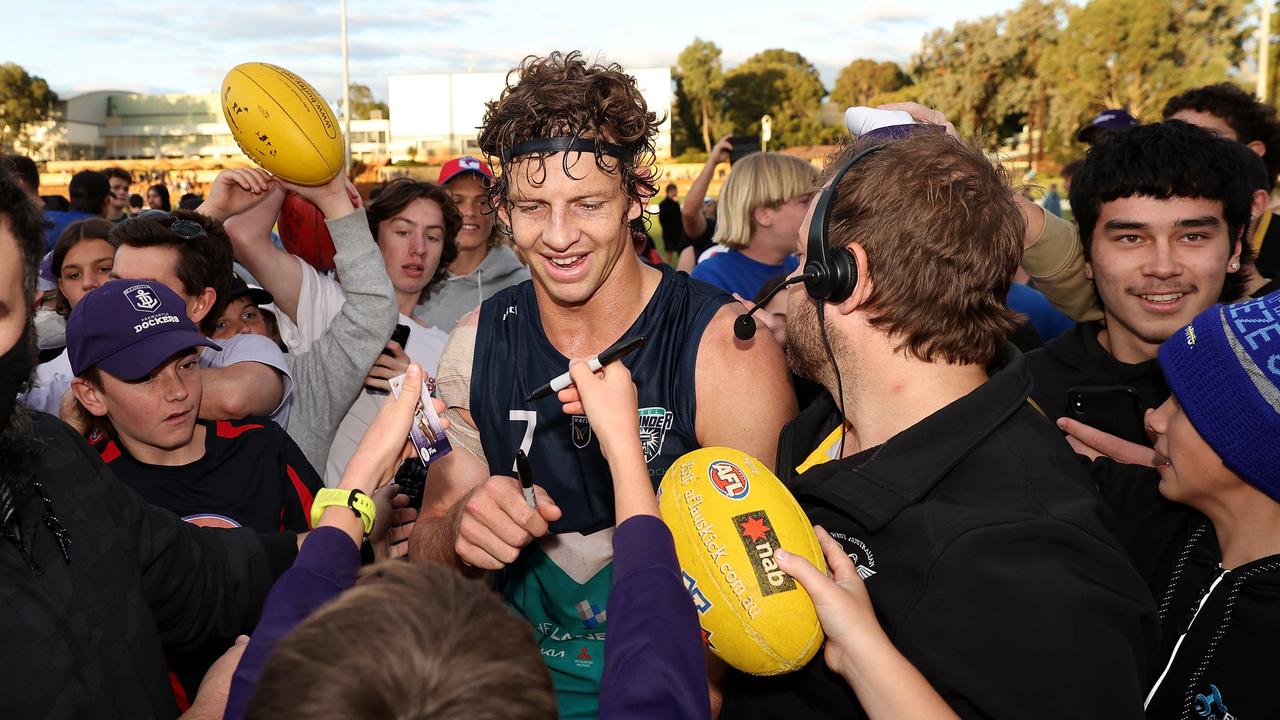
319	300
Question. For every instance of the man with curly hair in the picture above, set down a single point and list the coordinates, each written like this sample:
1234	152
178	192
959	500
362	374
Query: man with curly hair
575	144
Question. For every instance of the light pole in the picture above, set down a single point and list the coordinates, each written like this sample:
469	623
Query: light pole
1264	51
346	96
766	132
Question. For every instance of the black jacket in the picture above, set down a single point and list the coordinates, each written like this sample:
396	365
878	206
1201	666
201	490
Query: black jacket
1227	662
1075	358
990	559
86	638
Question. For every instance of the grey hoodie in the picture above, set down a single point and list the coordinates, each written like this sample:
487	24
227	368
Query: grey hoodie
462	293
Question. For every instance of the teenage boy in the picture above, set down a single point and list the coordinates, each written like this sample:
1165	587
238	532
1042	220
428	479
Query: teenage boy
484	264
573	179
191	255
989	560
1161	216
134	354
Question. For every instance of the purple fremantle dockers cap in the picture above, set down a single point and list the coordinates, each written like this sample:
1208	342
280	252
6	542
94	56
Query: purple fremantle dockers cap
128	328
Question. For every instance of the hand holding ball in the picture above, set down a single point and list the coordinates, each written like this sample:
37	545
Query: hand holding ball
729	516
282	123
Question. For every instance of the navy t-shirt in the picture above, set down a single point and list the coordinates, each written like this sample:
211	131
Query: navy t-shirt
736	273
513	357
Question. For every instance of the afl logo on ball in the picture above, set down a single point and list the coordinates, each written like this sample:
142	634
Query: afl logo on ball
728	479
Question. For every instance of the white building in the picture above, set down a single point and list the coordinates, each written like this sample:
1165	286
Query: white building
437	116
119	125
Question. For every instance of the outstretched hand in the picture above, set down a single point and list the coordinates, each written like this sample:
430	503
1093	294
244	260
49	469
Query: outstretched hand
336	198
1093	443
922	114
843	605
386	442
236	191
608	398
720	151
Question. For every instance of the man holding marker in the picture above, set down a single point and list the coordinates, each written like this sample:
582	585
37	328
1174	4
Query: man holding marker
573	178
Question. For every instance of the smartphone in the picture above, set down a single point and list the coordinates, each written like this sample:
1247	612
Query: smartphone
743	145
412	479
1112	409
399	335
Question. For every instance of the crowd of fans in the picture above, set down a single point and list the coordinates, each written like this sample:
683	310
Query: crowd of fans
1044	454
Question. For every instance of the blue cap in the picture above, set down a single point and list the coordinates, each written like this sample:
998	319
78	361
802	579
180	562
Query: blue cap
1224	368
128	328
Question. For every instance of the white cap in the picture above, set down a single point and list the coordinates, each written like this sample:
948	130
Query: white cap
862	120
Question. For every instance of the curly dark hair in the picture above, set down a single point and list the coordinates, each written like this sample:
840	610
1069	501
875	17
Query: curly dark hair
396	196
1251	119
561	95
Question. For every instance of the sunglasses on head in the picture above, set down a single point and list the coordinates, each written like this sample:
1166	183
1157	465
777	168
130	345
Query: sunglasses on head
185	229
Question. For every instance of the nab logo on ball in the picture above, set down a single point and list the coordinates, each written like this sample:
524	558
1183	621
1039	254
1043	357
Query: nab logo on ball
760	541
729	479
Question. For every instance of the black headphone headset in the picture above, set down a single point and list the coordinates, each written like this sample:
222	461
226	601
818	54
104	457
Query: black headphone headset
830	275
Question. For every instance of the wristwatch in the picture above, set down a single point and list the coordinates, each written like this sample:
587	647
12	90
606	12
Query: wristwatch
360	504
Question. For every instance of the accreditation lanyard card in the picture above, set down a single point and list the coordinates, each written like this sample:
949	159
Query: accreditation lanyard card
427	433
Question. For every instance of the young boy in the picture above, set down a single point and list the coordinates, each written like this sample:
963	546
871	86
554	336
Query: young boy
1206	532
133	350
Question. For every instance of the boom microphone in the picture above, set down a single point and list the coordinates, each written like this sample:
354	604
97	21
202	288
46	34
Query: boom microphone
745	327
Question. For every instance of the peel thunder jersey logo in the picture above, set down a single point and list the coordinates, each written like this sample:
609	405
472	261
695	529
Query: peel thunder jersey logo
761	542
729	479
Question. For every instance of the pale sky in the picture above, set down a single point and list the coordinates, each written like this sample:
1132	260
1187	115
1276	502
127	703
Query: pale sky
160	46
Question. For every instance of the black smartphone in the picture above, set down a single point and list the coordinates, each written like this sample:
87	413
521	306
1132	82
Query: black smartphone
743	145
1112	409
399	335
412	479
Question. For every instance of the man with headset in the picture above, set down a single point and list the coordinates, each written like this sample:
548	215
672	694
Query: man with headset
989	581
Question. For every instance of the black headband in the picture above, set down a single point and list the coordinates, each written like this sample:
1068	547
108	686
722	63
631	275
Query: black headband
551	145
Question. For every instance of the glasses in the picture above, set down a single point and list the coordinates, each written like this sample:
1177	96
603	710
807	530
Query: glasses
185	229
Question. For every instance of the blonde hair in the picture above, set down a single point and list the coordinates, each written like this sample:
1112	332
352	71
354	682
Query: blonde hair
764	179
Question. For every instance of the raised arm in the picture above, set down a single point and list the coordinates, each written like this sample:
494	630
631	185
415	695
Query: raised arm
248	201
750	420
691	217
330	373
1053	256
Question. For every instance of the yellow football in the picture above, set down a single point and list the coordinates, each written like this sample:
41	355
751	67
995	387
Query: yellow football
282	123
728	515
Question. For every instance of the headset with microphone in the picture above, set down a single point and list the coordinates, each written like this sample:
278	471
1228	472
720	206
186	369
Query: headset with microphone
830	275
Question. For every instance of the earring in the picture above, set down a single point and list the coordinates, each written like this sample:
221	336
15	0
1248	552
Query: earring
1234	266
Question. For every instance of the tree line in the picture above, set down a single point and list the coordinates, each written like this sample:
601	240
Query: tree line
1045	65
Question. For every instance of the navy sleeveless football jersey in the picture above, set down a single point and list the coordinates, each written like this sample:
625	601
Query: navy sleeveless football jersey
513	357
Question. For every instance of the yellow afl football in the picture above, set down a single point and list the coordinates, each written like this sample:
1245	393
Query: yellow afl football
729	514
282	123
